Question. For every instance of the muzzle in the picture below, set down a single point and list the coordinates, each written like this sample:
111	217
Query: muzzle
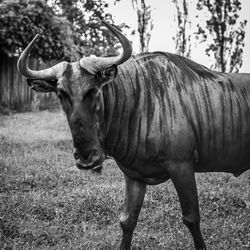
94	160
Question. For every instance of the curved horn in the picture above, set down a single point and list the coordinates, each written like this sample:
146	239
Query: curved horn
95	64
22	65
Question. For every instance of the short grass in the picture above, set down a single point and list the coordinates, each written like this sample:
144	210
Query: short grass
46	203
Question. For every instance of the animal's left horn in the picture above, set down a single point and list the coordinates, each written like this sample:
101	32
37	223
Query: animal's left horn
22	65
95	64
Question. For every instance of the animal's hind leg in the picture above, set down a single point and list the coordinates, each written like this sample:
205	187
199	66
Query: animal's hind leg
134	196
182	175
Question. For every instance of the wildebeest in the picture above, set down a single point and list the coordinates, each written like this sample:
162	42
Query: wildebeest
159	115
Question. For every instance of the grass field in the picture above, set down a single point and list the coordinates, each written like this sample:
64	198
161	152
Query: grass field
47	203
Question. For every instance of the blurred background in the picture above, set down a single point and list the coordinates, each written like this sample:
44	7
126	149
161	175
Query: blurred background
213	33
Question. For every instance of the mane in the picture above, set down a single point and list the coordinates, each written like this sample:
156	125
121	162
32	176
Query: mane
188	67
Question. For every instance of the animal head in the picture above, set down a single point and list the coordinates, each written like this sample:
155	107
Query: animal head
78	86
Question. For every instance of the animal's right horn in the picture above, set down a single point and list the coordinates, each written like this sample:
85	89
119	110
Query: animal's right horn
22	65
95	64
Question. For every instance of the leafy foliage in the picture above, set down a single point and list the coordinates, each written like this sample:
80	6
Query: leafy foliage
85	15
183	35
68	29
22	20
227	32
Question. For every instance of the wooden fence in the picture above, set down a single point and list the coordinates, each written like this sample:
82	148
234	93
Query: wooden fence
14	91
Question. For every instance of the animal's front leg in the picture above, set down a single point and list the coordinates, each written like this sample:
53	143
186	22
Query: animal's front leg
134	196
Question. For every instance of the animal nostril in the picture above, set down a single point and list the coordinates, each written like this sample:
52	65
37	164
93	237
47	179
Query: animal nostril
76	155
95	152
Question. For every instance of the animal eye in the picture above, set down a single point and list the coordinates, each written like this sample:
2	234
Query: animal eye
61	93
89	94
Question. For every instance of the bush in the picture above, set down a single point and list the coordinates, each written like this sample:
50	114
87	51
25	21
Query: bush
22	20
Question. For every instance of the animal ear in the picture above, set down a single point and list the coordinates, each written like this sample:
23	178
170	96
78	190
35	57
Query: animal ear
42	85
107	75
